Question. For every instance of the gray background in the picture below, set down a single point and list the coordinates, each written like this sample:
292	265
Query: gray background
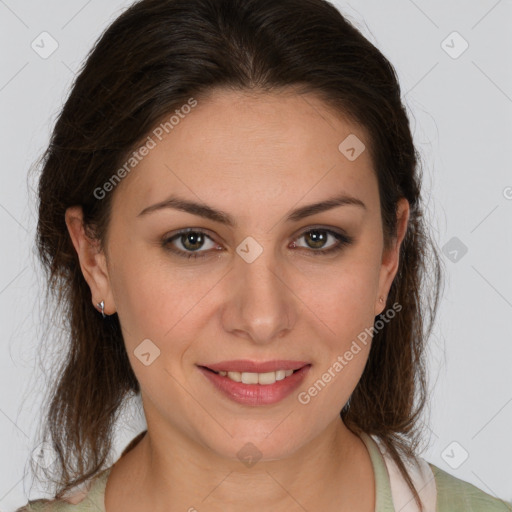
461	111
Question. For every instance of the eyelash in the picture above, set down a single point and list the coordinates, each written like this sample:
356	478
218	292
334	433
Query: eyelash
342	241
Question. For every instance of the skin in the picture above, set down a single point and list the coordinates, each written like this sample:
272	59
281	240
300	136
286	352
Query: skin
256	157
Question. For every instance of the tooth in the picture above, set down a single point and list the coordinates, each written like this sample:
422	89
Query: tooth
267	378
236	376
249	378
280	374
257	378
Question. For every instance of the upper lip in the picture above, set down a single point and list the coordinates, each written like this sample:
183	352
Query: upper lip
245	365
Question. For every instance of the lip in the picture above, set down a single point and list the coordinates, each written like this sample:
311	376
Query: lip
246	365
256	394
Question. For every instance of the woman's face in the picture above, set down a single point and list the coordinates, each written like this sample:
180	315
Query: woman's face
251	294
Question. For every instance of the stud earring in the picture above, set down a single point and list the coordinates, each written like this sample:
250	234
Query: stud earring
381	299
101	305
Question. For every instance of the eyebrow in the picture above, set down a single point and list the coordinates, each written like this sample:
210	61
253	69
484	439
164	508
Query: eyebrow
203	210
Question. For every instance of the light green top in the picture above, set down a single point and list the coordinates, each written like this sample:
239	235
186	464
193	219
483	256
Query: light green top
453	494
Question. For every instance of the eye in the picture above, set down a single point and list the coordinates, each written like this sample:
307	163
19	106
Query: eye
192	240
316	239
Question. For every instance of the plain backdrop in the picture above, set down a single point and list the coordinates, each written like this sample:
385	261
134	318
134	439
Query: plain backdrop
453	61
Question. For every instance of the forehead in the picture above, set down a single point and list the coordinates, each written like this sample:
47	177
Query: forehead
253	149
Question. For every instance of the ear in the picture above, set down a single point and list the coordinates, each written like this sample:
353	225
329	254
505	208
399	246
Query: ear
391	256
92	260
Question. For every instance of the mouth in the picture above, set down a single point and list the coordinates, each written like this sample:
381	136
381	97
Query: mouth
263	378
275	381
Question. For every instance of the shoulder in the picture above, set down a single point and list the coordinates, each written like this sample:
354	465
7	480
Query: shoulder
90	498
47	505
454	495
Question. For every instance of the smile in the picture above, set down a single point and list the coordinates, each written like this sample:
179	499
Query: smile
256	378
256	388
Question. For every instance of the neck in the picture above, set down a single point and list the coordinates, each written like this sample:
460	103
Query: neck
331	472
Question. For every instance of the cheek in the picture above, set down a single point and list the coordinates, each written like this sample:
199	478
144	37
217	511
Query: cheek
344	301
158	300
331	385
142	292
343	296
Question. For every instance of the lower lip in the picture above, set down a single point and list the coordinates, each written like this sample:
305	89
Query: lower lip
256	394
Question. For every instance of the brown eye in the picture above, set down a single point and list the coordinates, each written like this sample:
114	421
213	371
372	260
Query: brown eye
187	243
192	241
316	239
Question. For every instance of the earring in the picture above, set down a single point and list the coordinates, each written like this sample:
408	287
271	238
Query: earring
101	305
381	299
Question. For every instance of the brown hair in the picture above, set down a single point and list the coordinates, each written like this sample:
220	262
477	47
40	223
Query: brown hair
149	62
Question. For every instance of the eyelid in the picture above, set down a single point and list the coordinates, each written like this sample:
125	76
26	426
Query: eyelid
321	227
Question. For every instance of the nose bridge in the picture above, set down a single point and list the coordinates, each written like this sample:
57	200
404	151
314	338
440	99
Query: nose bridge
263	304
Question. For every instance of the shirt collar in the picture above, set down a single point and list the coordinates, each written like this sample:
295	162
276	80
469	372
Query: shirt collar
383	496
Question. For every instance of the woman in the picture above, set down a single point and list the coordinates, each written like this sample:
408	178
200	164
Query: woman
230	215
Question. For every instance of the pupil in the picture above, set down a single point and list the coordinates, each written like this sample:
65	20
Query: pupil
318	238
196	239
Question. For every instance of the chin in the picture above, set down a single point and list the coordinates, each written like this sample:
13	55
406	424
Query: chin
250	448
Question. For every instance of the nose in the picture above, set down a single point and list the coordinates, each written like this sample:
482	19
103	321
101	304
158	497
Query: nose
261	305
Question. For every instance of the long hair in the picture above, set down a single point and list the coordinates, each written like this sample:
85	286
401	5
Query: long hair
149	62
